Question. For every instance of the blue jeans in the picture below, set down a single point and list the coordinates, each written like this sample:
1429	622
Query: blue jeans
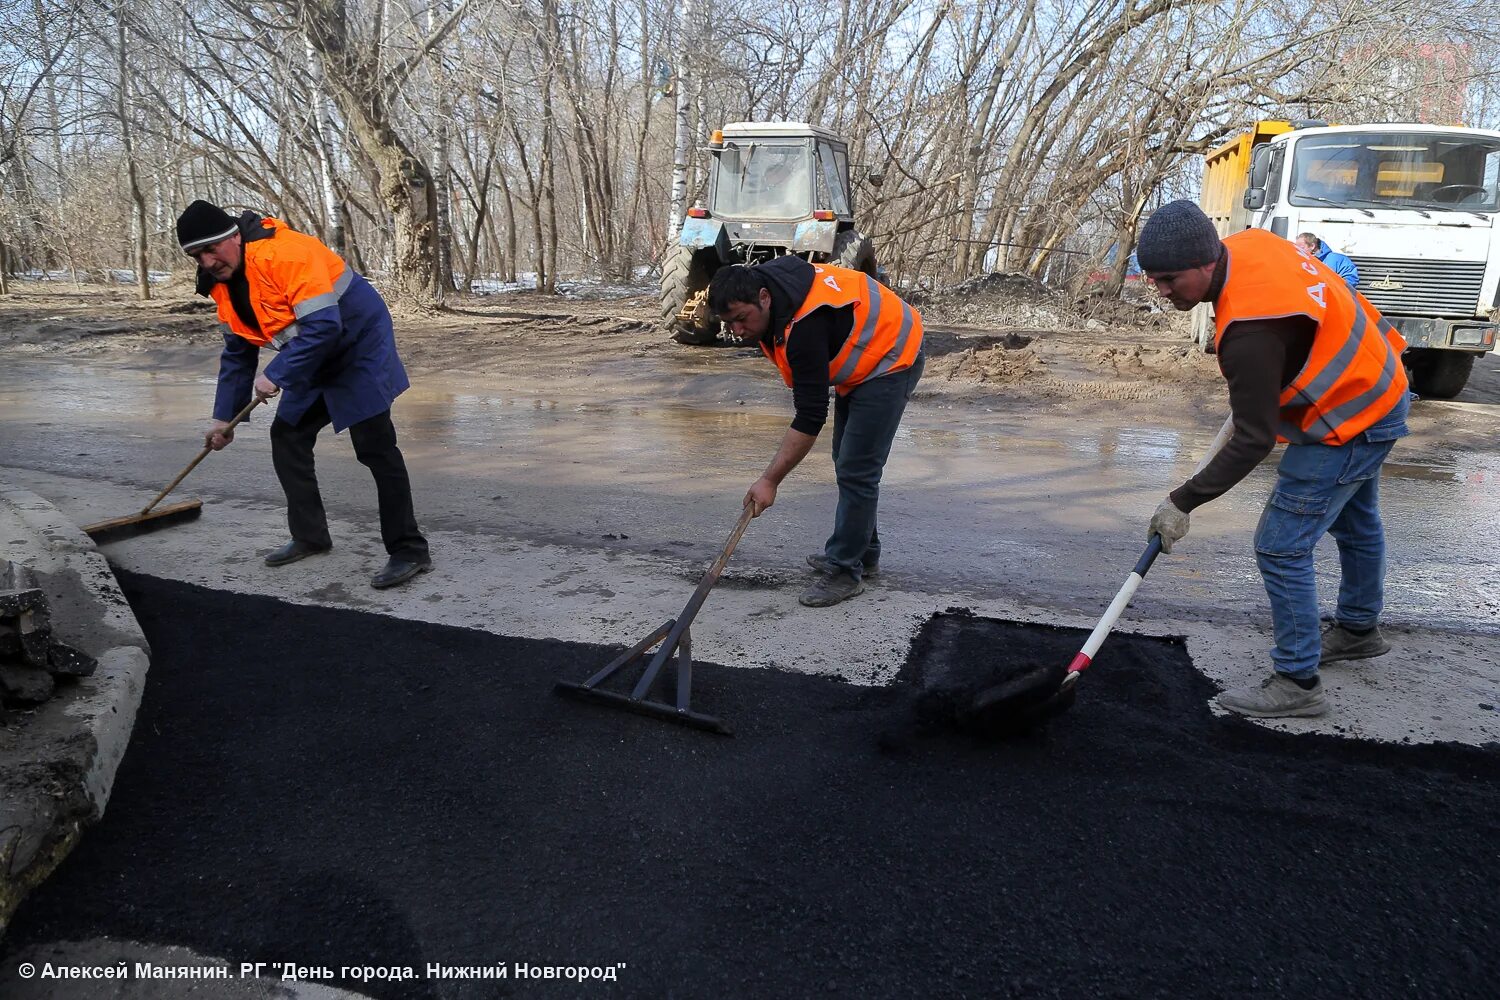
864	425
1334	489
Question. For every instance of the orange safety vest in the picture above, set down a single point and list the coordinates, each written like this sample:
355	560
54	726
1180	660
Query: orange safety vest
886	335
1353	376
291	275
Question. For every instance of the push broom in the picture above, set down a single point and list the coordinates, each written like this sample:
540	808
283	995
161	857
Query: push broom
151	517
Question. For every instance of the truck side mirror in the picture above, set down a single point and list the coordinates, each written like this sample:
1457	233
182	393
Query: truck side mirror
1260	167
1255	199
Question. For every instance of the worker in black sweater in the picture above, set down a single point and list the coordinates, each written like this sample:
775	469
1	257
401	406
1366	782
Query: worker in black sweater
828	326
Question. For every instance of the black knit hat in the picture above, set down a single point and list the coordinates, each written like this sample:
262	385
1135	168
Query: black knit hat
1178	236
201	224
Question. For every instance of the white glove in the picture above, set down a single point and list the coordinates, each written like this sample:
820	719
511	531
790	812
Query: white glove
1168	522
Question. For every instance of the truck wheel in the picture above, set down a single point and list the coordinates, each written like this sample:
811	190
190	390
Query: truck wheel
854	250
684	277
1440	374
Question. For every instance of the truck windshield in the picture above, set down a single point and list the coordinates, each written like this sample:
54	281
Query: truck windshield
1414	170
774	181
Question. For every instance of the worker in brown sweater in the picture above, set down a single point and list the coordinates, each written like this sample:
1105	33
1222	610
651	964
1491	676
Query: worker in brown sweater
1309	362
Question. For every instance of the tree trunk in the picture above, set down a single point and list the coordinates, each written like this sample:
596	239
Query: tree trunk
442	281
333	216
687	37
362	88
132	171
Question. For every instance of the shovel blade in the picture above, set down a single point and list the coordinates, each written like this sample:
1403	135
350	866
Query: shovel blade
1021	701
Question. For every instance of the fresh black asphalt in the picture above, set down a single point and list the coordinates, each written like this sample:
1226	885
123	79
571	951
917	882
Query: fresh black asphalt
336	788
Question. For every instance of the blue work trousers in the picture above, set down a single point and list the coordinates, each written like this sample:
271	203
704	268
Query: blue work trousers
1334	489
864	425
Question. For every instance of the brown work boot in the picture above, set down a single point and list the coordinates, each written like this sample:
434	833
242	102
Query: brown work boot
831	590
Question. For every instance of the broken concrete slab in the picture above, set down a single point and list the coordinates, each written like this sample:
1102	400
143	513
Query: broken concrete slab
25	684
14	601
67	661
58	761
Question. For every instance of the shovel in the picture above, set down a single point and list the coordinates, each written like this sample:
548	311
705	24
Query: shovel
151	517
1036	693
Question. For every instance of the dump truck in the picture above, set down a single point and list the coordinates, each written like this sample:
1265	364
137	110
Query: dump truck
775	188
1416	207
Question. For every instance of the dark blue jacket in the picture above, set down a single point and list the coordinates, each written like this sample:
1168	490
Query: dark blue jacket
344	352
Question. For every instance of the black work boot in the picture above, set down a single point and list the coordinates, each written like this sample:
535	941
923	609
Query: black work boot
293	551
398	571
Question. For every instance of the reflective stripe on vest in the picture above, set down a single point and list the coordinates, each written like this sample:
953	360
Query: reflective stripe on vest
309	306
280	340
285	264
1353	375
885	337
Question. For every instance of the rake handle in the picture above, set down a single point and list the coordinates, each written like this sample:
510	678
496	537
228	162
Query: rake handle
678	634
238	418
712	576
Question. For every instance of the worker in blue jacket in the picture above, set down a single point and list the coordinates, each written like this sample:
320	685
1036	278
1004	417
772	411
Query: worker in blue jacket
1341	265
335	361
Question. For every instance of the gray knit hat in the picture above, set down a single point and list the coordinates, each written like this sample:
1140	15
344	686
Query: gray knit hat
1178	236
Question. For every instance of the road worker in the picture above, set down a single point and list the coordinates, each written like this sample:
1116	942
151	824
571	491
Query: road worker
827	326
1309	362
336	363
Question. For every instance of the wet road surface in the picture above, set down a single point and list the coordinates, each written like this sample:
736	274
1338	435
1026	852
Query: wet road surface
981	500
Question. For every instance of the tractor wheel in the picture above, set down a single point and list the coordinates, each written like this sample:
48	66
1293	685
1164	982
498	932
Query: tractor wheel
853	250
1440	374
684	279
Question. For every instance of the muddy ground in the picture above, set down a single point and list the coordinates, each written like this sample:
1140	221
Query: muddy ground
999	342
350	789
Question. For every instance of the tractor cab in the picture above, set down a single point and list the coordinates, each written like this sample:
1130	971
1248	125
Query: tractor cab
775	188
778	178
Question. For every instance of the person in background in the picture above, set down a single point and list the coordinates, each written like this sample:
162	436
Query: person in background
1341	265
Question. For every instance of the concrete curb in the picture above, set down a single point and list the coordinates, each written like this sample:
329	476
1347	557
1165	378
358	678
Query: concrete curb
58	766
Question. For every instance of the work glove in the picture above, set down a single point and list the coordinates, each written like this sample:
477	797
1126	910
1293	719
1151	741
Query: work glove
1168	522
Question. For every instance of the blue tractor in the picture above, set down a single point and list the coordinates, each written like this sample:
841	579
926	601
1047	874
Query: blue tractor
776	188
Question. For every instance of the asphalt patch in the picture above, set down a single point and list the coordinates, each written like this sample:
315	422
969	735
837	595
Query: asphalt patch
337	788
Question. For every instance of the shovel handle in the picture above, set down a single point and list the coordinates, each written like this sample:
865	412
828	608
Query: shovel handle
1143	565
238	418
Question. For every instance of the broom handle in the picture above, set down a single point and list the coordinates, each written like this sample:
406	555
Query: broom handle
1137	575
203	454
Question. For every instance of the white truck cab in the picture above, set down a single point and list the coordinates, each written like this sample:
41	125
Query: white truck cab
1415	207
